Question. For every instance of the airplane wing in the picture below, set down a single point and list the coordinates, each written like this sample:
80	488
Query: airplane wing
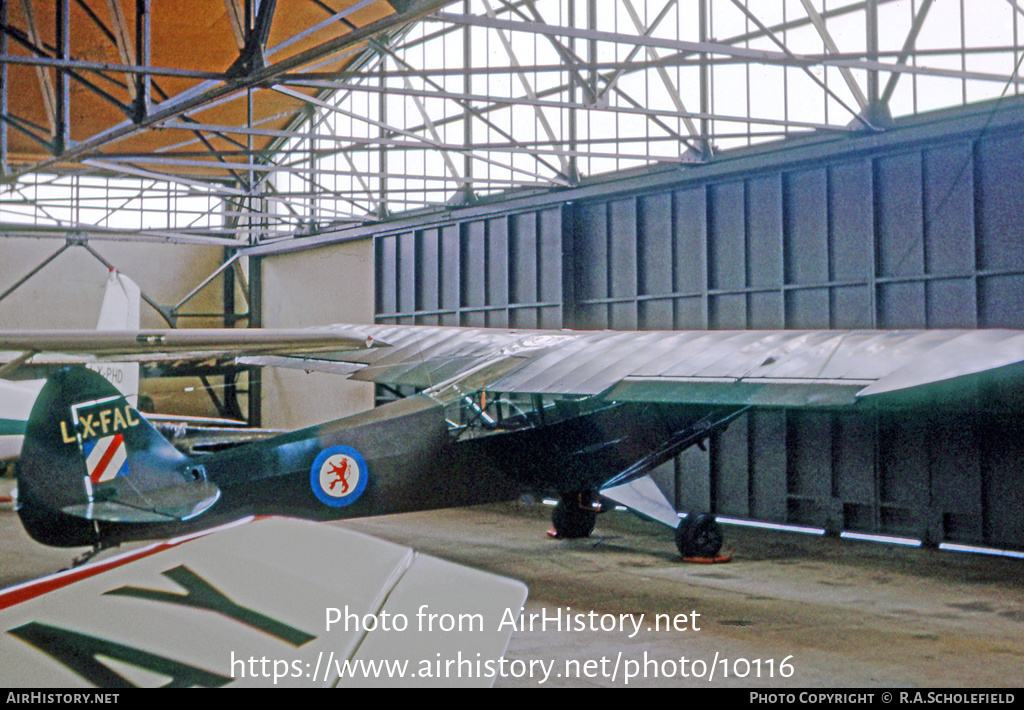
728	368
268	603
78	346
720	368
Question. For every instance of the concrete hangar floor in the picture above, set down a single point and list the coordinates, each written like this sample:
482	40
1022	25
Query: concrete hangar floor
790	610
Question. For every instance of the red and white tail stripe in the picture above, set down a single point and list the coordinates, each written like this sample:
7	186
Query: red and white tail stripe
106	458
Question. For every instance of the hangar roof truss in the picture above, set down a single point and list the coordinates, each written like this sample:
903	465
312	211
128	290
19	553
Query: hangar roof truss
245	122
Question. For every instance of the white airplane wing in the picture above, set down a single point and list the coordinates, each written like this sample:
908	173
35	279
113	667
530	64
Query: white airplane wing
269	603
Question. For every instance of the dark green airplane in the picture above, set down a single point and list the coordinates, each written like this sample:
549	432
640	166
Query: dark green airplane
584	415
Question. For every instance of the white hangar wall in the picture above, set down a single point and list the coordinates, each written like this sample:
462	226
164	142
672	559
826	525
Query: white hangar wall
328	285
66	293
332	284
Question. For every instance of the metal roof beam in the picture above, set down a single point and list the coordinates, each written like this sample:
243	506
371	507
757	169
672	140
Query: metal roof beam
908	47
779	58
42	60
830	45
411	134
464	101
821	84
253	53
45	80
206	187
545	124
207	94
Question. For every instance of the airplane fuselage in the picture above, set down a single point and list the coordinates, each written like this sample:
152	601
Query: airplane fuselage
404	456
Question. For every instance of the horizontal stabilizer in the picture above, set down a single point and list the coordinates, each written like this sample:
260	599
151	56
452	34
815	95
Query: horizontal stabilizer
122	503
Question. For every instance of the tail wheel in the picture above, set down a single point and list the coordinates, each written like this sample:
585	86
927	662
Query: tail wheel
573	517
699	535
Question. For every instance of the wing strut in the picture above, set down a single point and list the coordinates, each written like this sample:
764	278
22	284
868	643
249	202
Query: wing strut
683	439
17	362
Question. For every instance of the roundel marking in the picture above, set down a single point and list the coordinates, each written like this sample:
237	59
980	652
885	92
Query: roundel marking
338	476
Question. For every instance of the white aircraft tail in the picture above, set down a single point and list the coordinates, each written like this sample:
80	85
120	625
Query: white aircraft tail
120	311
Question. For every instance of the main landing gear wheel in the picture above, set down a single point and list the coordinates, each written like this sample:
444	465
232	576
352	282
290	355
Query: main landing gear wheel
573	517
699	535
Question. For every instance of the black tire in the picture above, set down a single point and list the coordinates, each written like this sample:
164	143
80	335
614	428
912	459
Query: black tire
699	535
571	521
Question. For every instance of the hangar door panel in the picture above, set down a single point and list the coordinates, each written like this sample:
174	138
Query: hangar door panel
497	272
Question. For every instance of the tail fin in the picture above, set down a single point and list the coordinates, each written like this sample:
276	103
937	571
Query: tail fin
120	311
120	307
90	457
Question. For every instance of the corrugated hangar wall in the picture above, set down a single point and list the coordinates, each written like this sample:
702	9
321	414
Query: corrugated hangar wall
920	227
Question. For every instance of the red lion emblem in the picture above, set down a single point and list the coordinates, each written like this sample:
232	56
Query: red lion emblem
342	475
